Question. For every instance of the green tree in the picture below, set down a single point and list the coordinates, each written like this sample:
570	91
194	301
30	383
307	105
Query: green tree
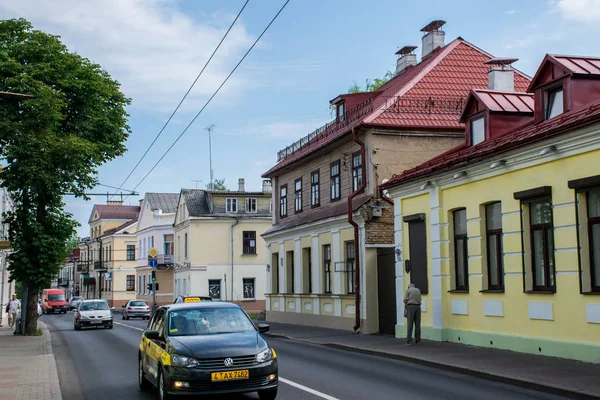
72	243
53	141
371	86
218	184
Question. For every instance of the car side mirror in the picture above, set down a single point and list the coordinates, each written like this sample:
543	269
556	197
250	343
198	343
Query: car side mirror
262	328
112	308
152	335
123	306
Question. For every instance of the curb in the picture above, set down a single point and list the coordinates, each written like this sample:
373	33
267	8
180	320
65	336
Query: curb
454	368
55	393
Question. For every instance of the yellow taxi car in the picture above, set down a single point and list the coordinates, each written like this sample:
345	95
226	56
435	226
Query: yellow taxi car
199	348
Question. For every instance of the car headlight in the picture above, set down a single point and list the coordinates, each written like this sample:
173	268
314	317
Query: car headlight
108	317
83	317
265	355
183	361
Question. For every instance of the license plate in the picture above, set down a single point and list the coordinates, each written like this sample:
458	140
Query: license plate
96	322
229	375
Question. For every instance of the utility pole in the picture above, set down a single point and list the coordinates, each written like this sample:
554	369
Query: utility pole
210	128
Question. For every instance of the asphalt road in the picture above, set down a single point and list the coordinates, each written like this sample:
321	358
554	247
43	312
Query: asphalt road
99	364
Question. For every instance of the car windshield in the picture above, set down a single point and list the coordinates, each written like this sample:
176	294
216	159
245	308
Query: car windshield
94	306
138	304
76	298
208	321
56	297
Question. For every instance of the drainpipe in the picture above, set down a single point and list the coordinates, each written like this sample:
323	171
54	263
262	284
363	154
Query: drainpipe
99	240
355	225
232	256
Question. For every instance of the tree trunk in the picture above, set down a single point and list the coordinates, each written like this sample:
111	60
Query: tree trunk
31	312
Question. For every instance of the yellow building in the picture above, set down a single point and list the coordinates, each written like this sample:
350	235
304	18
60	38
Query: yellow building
108	255
219	251
502	234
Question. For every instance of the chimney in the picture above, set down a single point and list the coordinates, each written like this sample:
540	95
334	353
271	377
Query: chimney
266	186
406	57
501	76
433	38
241	185
115	202
141	201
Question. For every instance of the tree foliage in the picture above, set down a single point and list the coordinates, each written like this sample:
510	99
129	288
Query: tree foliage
218	184
72	243
371	86
53	143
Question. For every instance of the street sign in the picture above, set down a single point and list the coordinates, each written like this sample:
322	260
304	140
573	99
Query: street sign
108	276
153	252
153	263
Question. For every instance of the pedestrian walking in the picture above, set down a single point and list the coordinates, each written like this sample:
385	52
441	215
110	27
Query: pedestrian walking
14	306
412	304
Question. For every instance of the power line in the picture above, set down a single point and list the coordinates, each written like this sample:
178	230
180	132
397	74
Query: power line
211	97
185	96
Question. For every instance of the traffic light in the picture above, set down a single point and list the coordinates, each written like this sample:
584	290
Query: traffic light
153	276
149	285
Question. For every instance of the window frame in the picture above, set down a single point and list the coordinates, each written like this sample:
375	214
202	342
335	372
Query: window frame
548	95
357	171
471	131
591	222
335	180
185	245
128	286
130	252
350	267
298	196
465	248
496	234
253	280
283	201
249	201
315	188
229	203
340	107
547	229
211	282
327	277
247	248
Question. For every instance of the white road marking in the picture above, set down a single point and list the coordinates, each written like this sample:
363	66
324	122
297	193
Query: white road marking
129	326
307	389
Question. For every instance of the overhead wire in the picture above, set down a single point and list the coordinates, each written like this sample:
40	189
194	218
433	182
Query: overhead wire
184	97
211	97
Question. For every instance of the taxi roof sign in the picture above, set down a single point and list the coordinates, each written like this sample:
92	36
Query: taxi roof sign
192	300
153	252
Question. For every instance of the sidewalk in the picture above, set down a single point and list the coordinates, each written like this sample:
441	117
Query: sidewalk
555	375
27	366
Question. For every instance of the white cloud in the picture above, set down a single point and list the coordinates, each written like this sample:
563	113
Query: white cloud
152	47
580	10
511	12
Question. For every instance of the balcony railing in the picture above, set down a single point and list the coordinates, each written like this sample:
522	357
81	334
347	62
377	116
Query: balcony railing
99	265
164	259
63	281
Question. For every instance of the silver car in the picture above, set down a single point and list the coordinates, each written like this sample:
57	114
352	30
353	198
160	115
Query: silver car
137	309
74	302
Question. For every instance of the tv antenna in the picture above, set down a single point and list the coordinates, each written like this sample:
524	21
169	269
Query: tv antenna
210	128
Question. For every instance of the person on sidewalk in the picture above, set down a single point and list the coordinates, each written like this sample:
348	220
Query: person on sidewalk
412	302
14	306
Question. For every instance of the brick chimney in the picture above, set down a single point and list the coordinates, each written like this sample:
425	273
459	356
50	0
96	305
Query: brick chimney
406	57
501	76
241	185
433	37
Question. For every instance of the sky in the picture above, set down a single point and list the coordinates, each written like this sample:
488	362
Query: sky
314	51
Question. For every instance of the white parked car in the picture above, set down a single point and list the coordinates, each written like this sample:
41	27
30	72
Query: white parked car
93	313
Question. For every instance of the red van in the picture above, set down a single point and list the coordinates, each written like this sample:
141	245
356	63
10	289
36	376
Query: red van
54	301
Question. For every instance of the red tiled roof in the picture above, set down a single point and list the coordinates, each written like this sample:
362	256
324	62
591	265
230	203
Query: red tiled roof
118	228
115	211
524	135
429	95
496	101
574	65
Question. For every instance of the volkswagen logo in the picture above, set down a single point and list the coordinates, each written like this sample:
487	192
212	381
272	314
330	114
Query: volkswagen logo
228	362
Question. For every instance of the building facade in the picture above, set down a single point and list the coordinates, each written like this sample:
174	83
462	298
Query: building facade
219	251
155	230
502	234
6	287
68	275
331	247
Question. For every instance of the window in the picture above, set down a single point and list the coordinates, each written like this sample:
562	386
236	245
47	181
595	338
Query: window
139	282
130	283
169	246
185	247
340	111
251	205
283	201
110	253
307	270
248	288
495	263
554	103
130	252
144	287
231	205
290	272
327	267
249	242
152	241
335	180
350	267
461	270
593	222
271	205
314	189
298	192
477	131
139	247
214	289
357	178
542	244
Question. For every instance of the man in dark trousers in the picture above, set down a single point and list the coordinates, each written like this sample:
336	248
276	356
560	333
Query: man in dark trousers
412	302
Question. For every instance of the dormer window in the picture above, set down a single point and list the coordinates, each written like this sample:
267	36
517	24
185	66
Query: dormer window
477	131
554	103
340	110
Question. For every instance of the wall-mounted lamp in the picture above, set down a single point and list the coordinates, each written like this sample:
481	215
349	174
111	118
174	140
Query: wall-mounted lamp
459	175
497	164
426	185
268	267
548	150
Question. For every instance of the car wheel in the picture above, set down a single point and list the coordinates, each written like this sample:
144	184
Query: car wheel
127	318
269	394
162	387
123	316
110	326
76	326
142	381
